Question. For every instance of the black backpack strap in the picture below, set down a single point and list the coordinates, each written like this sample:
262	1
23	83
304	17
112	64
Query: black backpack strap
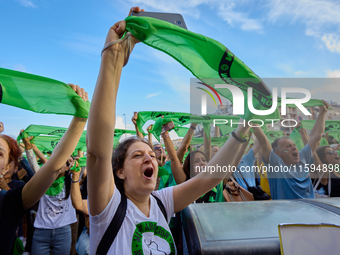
111	232
161	206
243	178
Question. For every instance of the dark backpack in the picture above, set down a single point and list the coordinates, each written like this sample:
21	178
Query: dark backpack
117	221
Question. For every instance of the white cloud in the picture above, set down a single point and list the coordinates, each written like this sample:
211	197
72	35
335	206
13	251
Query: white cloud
304	73
26	3
321	18
20	67
178	78
188	7
333	74
226	9
332	42
153	95
235	18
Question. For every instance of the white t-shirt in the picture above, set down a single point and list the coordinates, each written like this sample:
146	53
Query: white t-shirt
138	234
55	211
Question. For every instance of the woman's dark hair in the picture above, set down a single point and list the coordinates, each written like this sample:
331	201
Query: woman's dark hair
187	165
67	184
14	153
321	153
118	159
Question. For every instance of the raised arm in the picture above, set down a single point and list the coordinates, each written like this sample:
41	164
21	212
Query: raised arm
186	142
39	154
100	131
176	166
241	152
150	135
78	203
32	161
264	142
189	191
43	179
207	145
318	128
134	121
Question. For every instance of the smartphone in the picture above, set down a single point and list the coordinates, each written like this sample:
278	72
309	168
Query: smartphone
168	126
173	18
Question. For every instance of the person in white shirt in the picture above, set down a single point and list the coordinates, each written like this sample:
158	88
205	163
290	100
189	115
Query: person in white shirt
132	169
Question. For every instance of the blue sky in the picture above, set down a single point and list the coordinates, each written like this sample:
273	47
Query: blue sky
63	39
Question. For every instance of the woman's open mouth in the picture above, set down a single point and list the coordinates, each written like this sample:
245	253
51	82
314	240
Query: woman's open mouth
148	173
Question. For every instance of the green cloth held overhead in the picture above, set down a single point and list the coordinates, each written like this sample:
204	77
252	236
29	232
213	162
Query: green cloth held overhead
118	134
47	137
219	141
272	135
310	103
39	94
181	131
296	138
205	58
179	118
330	125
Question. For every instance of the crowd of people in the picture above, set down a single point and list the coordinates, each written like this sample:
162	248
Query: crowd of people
128	200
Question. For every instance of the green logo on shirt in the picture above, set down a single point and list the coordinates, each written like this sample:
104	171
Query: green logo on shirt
149	226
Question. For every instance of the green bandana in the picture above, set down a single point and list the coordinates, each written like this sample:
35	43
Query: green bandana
56	187
205	58
39	94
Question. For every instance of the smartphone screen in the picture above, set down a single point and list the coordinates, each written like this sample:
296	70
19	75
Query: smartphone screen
173	18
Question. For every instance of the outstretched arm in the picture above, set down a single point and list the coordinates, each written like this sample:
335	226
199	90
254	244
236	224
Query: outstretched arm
31	159
134	121
264	142
207	145
318	128
39	154
100	131
150	135
78	203
189	191
176	166
186	142
43	179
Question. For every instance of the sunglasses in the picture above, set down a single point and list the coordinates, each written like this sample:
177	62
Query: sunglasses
331	152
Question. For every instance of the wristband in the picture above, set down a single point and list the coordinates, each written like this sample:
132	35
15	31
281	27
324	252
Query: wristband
238	139
243	136
75	181
192	127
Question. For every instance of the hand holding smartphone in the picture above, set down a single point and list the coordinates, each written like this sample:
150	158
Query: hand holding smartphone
168	126
173	18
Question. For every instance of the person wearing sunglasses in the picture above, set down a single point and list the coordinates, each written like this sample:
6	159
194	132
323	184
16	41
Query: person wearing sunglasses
331	158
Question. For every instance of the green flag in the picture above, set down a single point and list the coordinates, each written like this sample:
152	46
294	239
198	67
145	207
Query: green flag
205	58
179	118
272	135
118	134
330	125
296	138
219	141
39	94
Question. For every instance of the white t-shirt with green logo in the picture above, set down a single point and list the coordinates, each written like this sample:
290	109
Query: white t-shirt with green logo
138	234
